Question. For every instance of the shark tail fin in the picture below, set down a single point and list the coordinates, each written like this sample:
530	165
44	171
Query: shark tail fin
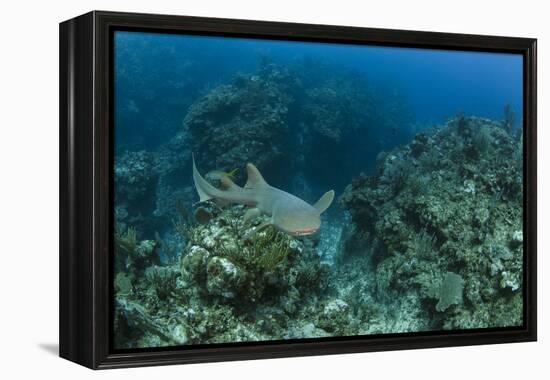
255	179
201	185
324	202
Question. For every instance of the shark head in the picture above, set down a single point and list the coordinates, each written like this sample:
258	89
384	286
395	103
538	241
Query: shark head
300	221
299	218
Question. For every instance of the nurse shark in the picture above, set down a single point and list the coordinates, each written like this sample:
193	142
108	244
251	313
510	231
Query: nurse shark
287	212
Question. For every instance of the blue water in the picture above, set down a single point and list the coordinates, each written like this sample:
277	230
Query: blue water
436	84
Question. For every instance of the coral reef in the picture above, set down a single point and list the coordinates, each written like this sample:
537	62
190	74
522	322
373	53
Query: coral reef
433	241
430	239
446	209
244	121
135	179
133	255
426	233
270	114
232	283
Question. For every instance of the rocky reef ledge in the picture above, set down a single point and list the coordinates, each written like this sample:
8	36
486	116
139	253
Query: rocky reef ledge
231	284
434	241
443	219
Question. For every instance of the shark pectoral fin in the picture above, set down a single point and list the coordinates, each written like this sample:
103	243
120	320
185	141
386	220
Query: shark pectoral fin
324	202
251	213
263	225
254	231
221	203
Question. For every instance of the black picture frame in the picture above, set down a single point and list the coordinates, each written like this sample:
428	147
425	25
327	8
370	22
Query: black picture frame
86	204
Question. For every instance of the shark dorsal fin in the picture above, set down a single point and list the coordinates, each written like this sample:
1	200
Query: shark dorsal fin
255	179
324	202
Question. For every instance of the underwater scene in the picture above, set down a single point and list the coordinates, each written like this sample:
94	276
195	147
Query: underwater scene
275	190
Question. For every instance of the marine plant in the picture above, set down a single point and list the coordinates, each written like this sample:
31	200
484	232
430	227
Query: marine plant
270	249
418	185
430	160
423	244
261	252
132	255
162	279
461	123
482	141
126	243
450	291
509	118
184	223
395	173
123	284
126	240
185	230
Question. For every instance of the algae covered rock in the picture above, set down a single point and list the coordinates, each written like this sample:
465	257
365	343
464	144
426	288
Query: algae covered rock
335	315
134	178
244	121
194	264
446	209
162	279
134	187
231	283
230	259
223	277
131	254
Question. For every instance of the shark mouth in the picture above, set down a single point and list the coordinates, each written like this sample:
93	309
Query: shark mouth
304	232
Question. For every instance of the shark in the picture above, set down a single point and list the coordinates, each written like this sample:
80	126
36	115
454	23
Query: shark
286	212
